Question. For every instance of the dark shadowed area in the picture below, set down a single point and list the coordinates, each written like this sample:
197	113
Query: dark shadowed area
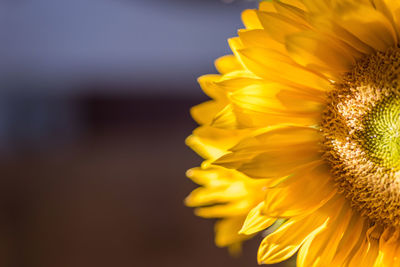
94	111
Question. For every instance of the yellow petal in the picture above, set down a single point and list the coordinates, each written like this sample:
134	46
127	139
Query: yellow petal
284	242
367	251
290	10
284	136
227	64
222	139
292	198
276	99
313	50
295	3
276	67
250	19
237	208
351	237
316	6
256	221
236	80
211	176
205	112
258	157
224	192
328	26
205	150
368	24
267	6
209	86
212	143
226	231
389	249
394	8
260	38
320	249
210	195
237	117
279	26
278	163
226	119
388	9
324	6
235	44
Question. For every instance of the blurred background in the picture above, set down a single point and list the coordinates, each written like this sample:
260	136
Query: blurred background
94	110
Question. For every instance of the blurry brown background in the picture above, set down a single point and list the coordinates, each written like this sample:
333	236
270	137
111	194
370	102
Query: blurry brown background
113	196
94	110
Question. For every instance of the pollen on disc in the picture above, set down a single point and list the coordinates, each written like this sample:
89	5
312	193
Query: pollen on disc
361	125
381	134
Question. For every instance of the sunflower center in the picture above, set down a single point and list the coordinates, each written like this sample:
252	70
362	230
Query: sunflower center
381	134
361	125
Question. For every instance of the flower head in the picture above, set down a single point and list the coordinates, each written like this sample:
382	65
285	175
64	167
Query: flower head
302	135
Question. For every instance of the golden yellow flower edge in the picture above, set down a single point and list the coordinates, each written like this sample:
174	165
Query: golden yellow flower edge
301	133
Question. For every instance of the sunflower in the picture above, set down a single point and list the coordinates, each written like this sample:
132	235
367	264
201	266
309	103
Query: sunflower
301	137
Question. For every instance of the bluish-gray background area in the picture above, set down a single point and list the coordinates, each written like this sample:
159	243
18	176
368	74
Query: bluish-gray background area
56	44
55	50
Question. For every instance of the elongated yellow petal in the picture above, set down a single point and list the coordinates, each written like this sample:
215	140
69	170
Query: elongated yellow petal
330	28
234	208
205	112
274	98
367	252
275	163
236	44
279	26
267	6
319	52
248	118
226	119
290	10
227	64
237	80
392	7
260	38
276	153
213	176
211	195
276	67
325	6
209	86
368	24
212	143
256	221
283	136
224	192
295	3
291	198
221	139
389	249
354	233
389	11
284	242
320	249
250	19
226	231
203	148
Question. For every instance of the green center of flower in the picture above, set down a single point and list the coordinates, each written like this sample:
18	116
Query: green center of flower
381	134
